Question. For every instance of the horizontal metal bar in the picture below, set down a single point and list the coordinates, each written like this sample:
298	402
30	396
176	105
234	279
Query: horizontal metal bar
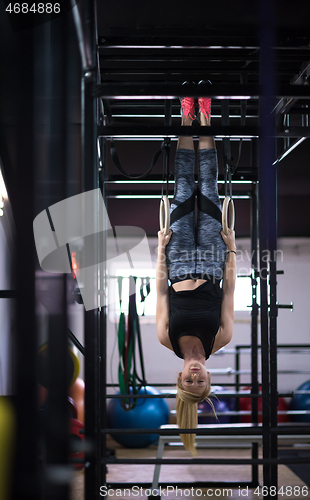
174	138
145	90
138	196
119	59
160	181
194	484
213	429
223	395
205	461
248	350
231	371
168	42
155	109
172	38
279	306
286	372
246	412
162	64
8	294
124	90
153	131
154	49
279	346
172	395
172	384
158	115
299	392
135	195
210	430
284	430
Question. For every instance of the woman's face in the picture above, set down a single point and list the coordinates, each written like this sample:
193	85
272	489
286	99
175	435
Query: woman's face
195	377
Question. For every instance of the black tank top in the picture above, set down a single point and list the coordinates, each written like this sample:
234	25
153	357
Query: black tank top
196	313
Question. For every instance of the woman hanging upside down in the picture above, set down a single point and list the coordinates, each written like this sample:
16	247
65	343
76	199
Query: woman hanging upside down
195	315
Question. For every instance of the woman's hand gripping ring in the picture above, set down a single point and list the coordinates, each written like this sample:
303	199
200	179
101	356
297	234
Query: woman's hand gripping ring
228	215
164	215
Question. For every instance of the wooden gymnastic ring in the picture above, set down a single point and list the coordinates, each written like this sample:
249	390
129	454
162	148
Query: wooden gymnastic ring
228	208
164	215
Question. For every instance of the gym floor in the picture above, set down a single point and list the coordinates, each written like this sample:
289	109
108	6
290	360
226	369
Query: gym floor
191	474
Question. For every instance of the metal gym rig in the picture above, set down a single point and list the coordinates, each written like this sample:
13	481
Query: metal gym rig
101	82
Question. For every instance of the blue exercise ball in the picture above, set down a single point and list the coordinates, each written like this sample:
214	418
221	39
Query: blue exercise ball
147	414
220	405
301	402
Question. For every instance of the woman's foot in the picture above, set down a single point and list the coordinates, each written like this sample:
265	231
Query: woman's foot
204	104
188	116
187	109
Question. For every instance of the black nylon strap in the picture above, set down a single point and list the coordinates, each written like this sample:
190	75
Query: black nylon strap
184	208
119	167
207	206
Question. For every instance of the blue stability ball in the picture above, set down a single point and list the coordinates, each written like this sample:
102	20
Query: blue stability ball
148	414
301	402
220	405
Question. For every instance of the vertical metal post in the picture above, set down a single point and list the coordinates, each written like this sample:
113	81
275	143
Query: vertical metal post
254	314
85	24
91	316
266	207
56	58
273	315
264	349
167	143
90	182
103	329
26	474
237	376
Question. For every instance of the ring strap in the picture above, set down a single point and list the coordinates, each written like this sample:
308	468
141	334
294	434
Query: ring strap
119	167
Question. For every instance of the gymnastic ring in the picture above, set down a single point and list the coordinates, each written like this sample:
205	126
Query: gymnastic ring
164	215
228	213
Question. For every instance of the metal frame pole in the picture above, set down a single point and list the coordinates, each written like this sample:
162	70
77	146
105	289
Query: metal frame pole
273	315
103	329
90	182
57	443
25	472
254	314
266	205
91	317
237	374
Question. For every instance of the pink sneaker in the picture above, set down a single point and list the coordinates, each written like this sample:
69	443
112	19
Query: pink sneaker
188	107
204	103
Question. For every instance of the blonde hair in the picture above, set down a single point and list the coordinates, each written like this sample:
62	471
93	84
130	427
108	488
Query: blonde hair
187	412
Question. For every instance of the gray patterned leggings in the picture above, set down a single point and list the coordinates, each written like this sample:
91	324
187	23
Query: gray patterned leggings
195	249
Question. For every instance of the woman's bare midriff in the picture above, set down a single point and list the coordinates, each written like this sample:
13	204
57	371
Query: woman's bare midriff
187	284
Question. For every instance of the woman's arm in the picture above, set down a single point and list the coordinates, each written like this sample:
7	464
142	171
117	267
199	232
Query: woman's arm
225	332
162	289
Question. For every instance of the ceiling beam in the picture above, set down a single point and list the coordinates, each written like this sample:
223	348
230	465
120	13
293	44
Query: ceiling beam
146	90
151	131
